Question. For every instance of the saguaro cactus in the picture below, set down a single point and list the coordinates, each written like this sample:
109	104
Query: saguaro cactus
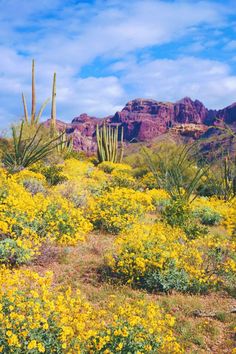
108	143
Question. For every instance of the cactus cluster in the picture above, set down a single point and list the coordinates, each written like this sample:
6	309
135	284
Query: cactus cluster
108	143
34	118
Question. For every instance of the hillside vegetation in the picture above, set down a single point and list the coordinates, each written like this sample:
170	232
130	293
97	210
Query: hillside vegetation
112	255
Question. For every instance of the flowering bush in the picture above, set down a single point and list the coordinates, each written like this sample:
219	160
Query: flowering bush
136	328
226	211
148	181
159	257
160	197
123	179
108	167
207	216
14	252
32	219
35	319
118	209
63	223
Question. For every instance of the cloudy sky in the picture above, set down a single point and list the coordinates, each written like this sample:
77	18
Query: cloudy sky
107	52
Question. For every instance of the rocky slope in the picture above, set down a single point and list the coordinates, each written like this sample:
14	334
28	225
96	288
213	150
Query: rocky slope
145	119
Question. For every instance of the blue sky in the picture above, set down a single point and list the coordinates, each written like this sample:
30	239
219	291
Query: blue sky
107	52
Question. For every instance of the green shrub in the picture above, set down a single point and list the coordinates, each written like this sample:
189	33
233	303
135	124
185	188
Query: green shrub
54	175
208	216
33	186
12	254
176	212
193	229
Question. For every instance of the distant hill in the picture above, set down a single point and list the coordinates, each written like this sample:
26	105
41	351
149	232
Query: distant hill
146	119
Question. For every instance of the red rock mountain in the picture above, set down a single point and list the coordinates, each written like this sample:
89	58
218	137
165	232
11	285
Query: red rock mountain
145	119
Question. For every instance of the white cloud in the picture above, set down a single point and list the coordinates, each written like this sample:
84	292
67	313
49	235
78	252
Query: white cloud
231	45
170	80
65	36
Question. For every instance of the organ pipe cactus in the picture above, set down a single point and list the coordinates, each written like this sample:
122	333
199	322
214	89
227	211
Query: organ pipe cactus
108	143
34	118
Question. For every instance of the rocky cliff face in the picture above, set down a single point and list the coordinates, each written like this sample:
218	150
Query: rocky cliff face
145	119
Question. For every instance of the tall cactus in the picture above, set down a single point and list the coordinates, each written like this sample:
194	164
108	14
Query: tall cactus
108	143
53	107
66	144
33	109
34	119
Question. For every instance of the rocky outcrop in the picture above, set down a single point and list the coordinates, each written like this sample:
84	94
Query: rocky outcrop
145	119
228	114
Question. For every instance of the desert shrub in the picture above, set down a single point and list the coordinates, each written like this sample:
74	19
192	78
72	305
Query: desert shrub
136	328
13	252
74	169
161	258
194	229
118	209
160	198
148	181
63	223
54	175
176	212
108	166
227	210
35	319
178	172
140	172
34	186
39	318
122	179
34	219
74	192
208	216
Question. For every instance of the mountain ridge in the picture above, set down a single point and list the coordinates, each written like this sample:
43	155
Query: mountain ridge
145	119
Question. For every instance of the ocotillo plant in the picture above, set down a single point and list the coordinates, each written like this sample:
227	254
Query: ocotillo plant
53	107
108	143
66	144
34	119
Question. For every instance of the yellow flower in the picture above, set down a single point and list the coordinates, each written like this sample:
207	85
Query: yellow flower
32	344
41	348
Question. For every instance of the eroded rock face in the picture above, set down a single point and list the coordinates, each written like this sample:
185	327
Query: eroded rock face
228	114
145	119
188	111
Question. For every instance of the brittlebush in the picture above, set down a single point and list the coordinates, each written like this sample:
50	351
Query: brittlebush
136	328
226	210
34	319
118	209
159	257
31	220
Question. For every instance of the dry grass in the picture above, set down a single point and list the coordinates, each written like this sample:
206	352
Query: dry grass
79	268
